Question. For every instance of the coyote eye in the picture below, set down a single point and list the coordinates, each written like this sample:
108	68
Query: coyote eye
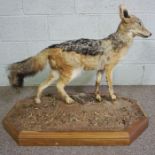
140	23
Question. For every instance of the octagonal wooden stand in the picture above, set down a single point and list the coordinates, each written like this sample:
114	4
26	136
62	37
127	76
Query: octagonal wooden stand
76	138
34	138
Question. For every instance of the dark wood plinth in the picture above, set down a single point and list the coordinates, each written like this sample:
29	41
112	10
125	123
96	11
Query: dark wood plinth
34	138
75	138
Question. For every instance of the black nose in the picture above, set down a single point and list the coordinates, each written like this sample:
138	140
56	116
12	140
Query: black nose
150	34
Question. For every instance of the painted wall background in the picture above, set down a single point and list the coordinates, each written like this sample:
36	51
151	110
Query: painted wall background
28	26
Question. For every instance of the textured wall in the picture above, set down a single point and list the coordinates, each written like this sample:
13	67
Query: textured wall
27	26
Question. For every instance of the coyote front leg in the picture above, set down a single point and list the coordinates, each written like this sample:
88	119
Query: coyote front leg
98	81
108	71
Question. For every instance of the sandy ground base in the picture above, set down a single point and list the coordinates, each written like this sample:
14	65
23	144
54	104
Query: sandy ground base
86	114
142	146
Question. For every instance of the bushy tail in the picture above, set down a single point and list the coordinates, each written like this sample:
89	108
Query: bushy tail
28	67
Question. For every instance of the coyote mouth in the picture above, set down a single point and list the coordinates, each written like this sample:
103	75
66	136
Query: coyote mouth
144	36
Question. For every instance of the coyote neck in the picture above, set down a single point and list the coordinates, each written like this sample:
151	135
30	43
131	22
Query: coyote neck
124	35
116	41
115	46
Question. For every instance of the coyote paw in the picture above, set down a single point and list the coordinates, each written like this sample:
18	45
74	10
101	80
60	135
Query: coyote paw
69	100
113	97
98	97
37	100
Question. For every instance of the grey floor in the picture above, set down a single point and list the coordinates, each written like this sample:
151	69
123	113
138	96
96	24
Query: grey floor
144	145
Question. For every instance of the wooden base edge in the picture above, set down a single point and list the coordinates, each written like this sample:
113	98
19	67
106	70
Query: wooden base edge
108	138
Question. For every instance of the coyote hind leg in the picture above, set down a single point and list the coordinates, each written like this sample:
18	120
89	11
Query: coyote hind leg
62	82
51	78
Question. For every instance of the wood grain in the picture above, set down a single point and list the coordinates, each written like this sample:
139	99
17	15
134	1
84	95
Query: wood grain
36	138
76	138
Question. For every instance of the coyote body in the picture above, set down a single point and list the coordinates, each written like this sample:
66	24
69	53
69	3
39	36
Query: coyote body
68	59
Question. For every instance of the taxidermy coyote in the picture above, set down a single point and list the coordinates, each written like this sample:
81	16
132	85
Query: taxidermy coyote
70	58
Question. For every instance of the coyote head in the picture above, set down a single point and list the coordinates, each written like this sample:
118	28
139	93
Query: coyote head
132	24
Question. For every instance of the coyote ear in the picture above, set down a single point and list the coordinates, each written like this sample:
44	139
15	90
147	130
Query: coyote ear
123	12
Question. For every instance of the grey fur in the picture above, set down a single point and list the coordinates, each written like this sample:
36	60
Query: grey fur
92	46
19	70
83	46
117	41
